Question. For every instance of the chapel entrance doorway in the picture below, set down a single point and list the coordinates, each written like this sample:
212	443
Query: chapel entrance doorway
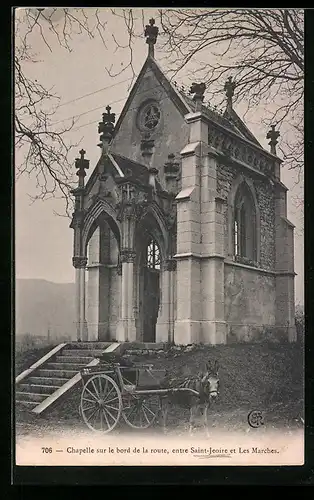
151	291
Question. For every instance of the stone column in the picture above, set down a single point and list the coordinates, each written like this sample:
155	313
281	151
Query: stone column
115	284
98	293
131	326
126	330
284	231
172	304
214	329
171	266
163	320
122	329
81	326
187	324
78	303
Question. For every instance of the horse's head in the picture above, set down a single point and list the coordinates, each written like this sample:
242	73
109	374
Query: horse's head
210	380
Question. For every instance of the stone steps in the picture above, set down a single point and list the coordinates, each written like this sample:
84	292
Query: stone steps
45	389
59	372
83	352
42	372
31	396
65	366
52	381
74	359
87	345
27	405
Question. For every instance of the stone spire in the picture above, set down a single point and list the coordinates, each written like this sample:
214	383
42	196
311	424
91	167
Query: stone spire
273	136
106	128
198	90
151	33
229	88
81	164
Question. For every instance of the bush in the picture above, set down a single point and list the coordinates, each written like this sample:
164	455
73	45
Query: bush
25	342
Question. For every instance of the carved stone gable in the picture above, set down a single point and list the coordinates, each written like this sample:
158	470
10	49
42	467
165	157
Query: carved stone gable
233	148
133	200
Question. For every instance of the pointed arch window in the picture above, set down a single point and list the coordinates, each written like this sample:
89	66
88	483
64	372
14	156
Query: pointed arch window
153	255
244	229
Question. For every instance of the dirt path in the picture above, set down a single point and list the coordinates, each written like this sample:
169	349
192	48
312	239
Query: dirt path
227	420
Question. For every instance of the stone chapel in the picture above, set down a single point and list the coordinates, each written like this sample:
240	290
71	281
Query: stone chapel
181	232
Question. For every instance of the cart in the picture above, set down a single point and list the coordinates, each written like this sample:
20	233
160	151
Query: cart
112	391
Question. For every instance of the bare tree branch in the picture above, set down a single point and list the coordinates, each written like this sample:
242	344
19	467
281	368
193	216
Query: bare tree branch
263	49
41	142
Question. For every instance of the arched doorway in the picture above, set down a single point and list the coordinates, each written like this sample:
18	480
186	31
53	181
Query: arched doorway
103	282
150	290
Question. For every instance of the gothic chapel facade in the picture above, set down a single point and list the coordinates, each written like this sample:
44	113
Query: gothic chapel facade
182	227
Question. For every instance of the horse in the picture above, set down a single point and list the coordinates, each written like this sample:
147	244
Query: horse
205	383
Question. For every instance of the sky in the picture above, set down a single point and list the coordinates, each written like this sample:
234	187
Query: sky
43	240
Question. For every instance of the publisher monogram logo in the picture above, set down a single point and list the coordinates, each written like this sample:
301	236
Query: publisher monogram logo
255	418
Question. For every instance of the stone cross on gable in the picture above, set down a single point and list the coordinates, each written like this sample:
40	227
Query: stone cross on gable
128	191
151	33
109	117
273	136
229	88
107	124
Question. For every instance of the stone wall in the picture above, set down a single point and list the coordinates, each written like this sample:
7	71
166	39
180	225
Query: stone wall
225	178
266	201
226	175
250	301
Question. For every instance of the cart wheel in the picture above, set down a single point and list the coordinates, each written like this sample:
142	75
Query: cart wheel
101	403
140	410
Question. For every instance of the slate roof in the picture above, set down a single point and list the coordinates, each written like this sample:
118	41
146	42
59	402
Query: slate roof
133	170
138	171
228	120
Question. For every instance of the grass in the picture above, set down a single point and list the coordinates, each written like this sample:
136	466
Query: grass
252	376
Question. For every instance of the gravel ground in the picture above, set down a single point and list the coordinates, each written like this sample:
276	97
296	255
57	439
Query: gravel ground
227	421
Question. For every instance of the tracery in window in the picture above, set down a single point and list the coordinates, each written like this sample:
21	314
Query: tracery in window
149	116
153	256
244	228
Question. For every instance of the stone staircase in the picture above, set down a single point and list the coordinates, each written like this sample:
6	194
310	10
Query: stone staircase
56	373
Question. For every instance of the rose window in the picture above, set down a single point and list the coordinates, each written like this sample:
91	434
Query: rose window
150	116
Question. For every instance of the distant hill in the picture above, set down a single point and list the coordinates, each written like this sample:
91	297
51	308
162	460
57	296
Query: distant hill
41	305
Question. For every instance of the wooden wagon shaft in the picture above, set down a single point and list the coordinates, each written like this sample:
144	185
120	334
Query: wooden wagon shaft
165	391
